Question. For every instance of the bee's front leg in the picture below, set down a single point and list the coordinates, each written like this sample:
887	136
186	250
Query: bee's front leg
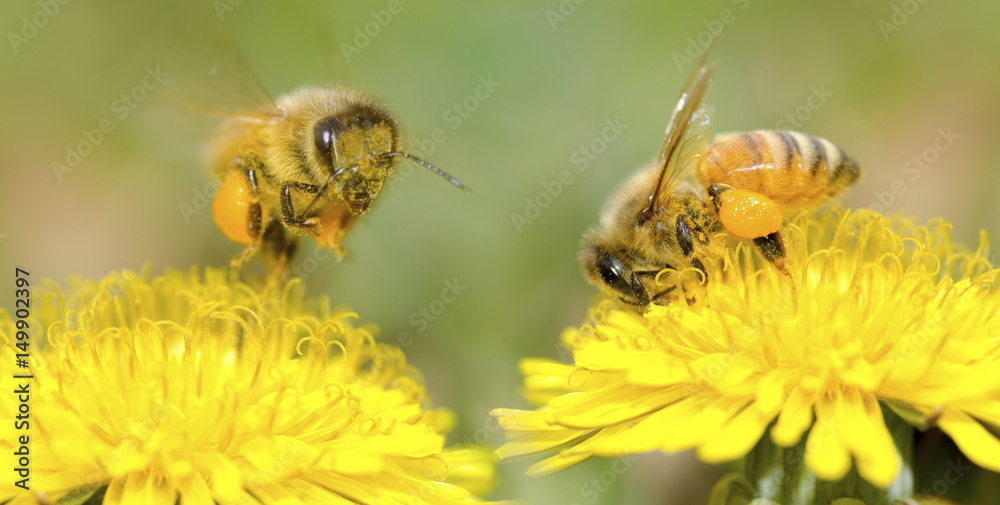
326	222
299	223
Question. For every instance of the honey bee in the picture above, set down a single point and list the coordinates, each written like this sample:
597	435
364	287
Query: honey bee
310	165
657	222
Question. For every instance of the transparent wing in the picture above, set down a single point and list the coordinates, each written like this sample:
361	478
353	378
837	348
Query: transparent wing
208	72
688	135
696	140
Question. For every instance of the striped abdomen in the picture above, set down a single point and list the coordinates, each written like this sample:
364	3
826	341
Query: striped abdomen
793	169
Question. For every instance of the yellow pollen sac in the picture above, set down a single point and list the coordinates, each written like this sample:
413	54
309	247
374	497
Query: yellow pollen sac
747	214
231	208
335	220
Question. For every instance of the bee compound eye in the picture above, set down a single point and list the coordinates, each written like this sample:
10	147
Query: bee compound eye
613	272
325	134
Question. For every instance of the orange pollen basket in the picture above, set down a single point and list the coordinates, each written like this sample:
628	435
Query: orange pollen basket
231	208
749	215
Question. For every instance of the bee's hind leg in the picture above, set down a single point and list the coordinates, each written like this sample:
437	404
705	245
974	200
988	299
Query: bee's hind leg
254	226
279	248
752	215
772	247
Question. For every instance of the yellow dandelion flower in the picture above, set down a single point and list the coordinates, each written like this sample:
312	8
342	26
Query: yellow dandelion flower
190	387
883	318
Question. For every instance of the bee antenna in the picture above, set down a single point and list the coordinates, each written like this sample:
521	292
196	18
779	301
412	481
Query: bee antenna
441	173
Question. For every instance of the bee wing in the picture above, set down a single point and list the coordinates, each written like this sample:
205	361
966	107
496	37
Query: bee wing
687	137
212	76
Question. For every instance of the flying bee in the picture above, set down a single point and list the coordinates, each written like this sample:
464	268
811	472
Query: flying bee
658	222
310	165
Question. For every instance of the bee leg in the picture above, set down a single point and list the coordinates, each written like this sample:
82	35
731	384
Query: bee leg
695	262
658	296
747	214
641	292
638	291
254	226
688	231
296	222
715	192
684	238
772	247
280	249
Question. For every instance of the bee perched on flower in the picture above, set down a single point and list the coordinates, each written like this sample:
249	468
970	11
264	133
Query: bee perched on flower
658	231
190	388
888	325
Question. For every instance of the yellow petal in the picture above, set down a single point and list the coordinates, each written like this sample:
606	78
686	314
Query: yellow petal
555	463
146	489
643	367
522	443
771	391
864	431
616	405
826	455
700	420
738	436
194	491
975	441
227	482
795	417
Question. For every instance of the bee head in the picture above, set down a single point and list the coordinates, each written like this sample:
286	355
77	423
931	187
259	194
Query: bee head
357	148
614	274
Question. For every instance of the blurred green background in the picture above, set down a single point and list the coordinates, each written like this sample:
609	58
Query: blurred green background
881	79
